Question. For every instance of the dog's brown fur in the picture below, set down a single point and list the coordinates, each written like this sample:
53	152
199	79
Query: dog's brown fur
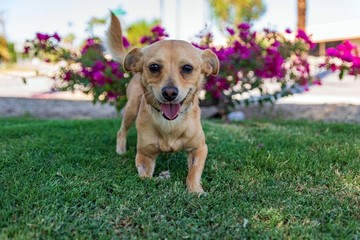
156	134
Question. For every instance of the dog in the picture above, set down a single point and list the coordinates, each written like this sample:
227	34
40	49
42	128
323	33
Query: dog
163	101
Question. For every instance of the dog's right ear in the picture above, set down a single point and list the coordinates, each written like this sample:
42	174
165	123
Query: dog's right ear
132	61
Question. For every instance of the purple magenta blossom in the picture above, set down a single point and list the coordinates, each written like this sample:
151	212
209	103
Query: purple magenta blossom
244	26
57	37
99	78
90	41
98	66
86	72
112	95
332	52
159	30
144	40
349	56
42	37
67	76
125	42
231	31
302	35
26	50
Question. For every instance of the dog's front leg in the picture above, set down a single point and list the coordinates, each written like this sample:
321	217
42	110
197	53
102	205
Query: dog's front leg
196	163
145	165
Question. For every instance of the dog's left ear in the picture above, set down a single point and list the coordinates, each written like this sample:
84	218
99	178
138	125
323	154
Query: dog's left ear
210	64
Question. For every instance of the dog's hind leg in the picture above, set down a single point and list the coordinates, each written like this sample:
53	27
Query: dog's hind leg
129	117
131	109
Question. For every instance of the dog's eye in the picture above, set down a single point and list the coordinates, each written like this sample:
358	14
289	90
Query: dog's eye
187	68
154	68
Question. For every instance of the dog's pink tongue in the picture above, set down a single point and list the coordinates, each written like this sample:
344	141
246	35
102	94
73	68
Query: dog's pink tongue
171	111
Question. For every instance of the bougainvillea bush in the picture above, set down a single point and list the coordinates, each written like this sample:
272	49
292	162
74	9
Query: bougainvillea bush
344	58
87	70
256	66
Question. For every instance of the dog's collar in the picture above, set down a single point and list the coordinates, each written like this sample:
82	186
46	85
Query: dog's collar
158	110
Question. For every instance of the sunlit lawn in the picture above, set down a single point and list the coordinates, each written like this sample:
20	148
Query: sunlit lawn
62	179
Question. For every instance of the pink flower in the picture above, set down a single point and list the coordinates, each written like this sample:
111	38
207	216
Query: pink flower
288	30
99	78
42	37
57	37
125	42
86	72
333	67
331	52
26	50
114	65
244	35
302	35
230	31
98	66
346	46
200	47
348	57
272	65
67	76
244	26
276	44
144	40
112	95
90	41
159	30
317	82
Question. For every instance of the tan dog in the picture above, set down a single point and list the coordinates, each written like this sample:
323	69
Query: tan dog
162	98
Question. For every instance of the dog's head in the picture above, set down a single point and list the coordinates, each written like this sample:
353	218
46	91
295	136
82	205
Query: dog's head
172	73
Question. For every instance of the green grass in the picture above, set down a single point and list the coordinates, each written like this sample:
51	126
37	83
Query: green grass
63	180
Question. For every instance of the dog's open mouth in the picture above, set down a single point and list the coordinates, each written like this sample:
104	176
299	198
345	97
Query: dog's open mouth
170	111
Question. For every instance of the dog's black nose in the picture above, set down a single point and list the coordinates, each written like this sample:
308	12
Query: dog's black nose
169	93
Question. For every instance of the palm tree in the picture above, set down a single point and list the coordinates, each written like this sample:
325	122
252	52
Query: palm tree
301	7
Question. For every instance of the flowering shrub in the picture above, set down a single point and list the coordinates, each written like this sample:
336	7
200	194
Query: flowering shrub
158	33
249	61
88	70
345	58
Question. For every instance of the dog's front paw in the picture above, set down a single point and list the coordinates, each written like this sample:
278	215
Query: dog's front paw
121	145
196	189
120	149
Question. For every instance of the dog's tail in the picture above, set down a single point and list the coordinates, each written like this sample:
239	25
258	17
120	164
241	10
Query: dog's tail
114	39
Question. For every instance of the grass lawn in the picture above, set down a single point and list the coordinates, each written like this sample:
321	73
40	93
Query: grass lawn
62	179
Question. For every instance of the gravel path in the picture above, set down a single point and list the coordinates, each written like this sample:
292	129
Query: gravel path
50	108
321	112
65	109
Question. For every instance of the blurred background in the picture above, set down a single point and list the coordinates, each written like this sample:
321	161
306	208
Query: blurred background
329	22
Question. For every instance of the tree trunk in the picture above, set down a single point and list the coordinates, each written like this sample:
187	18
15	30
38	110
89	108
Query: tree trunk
301	5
